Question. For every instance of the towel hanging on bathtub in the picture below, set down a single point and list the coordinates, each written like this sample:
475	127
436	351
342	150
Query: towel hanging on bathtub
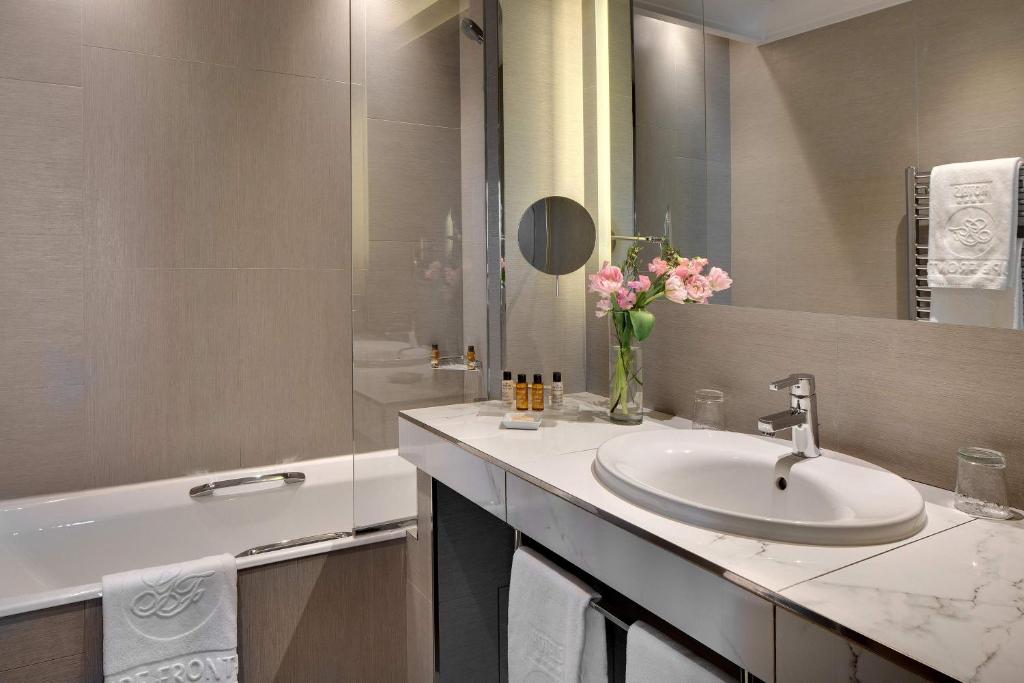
177	622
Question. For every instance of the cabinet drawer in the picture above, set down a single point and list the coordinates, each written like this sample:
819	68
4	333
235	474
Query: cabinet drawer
731	621
465	473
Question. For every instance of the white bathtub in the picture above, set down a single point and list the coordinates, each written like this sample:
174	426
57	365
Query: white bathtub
55	549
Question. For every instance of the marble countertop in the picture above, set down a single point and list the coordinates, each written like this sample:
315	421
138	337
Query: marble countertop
950	597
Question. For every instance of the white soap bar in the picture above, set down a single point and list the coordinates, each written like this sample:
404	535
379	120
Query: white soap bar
521	421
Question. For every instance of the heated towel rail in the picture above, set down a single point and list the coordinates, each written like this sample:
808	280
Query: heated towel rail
918	294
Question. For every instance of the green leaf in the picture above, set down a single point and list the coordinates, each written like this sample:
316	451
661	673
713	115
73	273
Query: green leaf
643	323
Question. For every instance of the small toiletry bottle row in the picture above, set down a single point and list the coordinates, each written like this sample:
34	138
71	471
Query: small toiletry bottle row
435	357
523	396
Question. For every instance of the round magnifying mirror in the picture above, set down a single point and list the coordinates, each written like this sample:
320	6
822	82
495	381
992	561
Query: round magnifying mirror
557	235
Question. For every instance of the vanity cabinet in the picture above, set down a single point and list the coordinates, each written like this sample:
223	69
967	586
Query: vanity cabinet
808	653
481	500
732	621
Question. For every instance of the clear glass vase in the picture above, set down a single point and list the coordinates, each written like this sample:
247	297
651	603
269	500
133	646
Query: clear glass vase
625	374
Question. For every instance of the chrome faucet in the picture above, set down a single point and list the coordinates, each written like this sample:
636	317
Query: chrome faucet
801	418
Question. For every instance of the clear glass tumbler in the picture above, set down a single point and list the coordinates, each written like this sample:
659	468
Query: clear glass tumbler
708	409
981	483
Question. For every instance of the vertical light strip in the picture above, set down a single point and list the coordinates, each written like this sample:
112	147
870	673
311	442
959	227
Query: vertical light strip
604	142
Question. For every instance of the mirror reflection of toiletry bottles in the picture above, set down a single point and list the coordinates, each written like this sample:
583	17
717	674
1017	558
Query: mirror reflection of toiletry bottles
537	393
508	390
557	391
522	393
435	356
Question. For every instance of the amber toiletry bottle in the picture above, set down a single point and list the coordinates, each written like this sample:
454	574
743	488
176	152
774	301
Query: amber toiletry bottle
508	390
522	394
537	393
471	358
435	356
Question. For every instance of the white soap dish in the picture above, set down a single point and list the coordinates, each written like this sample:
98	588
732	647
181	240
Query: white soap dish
521	421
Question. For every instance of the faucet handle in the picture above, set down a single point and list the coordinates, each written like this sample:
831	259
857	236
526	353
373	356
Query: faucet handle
800	384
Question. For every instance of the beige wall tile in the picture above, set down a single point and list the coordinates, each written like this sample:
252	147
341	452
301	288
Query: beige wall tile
136	160
900	394
912	393
294	206
969	59
40	158
739	351
193	165
296	361
414	181
44	441
301	37
332	617
413	78
41	41
42	336
37	252
165	387
817	165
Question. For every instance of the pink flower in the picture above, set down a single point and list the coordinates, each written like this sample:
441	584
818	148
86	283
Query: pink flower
432	271
658	266
626	299
606	281
698	288
690	266
719	279
675	289
603	306
641	284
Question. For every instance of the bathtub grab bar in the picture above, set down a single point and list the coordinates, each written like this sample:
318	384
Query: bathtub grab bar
293	542
208	488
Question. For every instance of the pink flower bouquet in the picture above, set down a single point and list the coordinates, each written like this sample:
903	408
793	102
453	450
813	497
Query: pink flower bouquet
626	294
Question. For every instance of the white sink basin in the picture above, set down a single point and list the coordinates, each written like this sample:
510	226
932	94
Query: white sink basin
747	485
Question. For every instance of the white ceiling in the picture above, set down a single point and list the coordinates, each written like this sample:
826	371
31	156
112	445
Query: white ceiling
763	21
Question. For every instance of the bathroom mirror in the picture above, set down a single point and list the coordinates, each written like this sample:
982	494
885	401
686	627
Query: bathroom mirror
556	235
780	134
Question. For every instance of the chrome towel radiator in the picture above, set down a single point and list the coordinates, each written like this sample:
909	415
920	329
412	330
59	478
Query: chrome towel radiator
919	296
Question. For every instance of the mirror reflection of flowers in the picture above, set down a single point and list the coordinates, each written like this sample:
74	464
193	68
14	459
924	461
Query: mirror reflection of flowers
626	293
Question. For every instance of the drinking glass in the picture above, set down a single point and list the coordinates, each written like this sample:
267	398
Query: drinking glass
981	483
708	409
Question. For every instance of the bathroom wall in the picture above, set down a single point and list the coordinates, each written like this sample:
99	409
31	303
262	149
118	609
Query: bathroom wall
175	281
901	394
180	282
567	126
418	224
824	123
683	135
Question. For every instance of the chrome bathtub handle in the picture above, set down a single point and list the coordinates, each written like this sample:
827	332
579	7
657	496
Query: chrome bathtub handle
208	488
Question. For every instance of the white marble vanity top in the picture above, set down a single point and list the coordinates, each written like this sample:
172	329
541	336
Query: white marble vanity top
950	597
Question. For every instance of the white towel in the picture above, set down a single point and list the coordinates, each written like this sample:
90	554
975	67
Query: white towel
972	217
553	633
653	658
177	622
983	307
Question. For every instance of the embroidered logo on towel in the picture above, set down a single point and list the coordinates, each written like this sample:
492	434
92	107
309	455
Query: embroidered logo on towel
173	603
971	230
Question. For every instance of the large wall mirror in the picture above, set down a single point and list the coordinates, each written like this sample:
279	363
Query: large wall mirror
778	137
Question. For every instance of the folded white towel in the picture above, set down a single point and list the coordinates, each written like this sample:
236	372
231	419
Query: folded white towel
972	216
553	633
983	307
177	622
653	658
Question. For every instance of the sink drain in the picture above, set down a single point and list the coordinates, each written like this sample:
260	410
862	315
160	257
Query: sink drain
781	483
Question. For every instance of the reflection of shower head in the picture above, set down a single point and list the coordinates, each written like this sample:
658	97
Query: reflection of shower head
473	30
